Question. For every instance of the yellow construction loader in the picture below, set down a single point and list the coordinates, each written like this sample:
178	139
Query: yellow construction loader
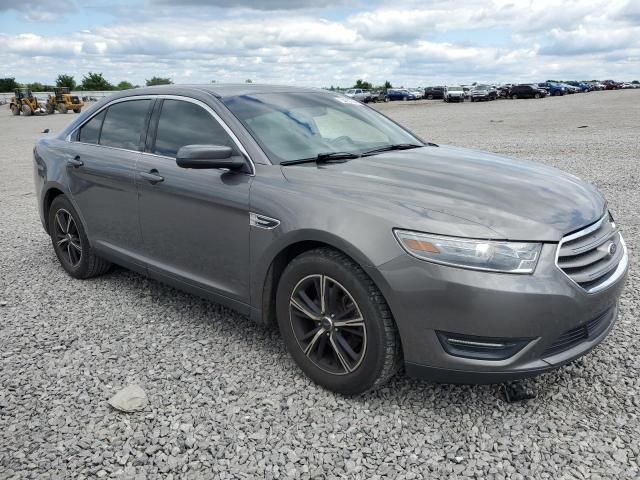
63	101
23	101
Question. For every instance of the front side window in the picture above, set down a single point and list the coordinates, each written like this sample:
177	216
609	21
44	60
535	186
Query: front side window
124	124
185	123
294	126
90	131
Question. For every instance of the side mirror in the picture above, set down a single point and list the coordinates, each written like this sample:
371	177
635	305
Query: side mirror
208	156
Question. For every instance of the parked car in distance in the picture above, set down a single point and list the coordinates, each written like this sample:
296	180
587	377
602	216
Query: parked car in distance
434	93
359	94
503	90
626	86
581	85
453	94
527	91
553	89
571	89
378	96
611	85
367	246
483	92
399	94
417	92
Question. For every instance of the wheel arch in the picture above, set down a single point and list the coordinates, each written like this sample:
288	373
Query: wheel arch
53	191
47	200
270	271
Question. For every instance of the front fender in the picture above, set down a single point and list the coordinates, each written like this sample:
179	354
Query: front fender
262	257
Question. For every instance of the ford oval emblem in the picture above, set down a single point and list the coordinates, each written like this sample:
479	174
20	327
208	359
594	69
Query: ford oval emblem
612	249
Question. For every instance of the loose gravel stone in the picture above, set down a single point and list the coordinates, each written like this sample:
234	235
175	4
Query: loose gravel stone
227	402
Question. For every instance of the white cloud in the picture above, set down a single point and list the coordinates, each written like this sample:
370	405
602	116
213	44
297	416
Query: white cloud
413	43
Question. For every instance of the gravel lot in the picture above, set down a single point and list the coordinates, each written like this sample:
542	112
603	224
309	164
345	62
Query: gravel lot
225	400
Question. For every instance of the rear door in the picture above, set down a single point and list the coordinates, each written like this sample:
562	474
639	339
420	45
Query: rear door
101	173
195	223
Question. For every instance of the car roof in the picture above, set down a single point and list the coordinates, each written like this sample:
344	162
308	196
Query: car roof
222	90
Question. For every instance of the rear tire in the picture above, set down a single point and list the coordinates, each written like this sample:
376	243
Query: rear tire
70	242
26	110
515	97
347	358
76	110
63	108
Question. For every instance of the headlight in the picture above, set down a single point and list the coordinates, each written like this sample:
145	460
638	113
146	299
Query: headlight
487	255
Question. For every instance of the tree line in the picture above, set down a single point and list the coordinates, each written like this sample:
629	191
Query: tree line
364	85
90	81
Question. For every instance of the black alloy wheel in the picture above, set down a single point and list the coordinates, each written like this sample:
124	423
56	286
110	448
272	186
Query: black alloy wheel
328	324
67	238
335	322
70	242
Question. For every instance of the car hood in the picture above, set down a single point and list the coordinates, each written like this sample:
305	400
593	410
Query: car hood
455	191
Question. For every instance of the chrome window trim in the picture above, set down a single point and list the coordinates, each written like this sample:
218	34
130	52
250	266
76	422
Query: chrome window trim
620	268
201	104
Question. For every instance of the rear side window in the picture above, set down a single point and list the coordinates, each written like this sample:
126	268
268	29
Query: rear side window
185	123
90	131
124	124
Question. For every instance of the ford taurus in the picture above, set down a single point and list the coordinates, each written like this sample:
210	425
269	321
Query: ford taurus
369	247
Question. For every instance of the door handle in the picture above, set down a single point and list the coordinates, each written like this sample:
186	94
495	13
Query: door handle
152	177
75	162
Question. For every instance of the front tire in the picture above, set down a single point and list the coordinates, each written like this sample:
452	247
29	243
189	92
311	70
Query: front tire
15	110
26	110
70	242
336	324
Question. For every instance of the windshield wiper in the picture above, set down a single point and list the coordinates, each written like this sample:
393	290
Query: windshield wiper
395	146
323	158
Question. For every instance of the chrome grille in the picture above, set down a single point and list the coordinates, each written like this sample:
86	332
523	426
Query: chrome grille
594	257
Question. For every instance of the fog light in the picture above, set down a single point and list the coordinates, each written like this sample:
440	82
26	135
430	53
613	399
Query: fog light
480	348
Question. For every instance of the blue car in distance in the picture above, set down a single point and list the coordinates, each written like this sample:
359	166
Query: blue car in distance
581	85
399	94
554	89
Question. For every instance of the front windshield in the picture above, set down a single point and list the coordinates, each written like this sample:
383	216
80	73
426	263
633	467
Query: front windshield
454	89
294	126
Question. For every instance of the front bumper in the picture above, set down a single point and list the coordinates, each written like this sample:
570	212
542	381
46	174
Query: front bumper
540	309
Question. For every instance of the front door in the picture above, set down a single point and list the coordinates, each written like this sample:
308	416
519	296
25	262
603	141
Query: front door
195	223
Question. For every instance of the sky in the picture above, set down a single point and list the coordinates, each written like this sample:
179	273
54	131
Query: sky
321	42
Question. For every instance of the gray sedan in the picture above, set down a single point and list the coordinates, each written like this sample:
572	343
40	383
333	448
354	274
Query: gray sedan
369	247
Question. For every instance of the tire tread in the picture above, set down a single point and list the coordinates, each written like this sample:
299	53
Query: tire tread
392	358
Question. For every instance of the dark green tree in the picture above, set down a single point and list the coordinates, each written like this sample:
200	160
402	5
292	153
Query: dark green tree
124	85
64	80
387	84
35	87
95	81
158	81
362	84
8	84
248	80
